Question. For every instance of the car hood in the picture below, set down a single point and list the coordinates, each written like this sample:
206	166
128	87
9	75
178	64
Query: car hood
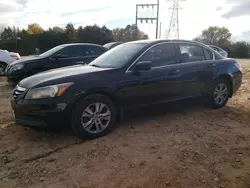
57	76
25	60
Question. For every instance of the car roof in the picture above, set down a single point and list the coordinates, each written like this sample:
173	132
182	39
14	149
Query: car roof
215	47
157	41
212	45
85	44
114	42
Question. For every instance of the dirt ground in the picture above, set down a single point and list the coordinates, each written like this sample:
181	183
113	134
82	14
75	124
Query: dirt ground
178	145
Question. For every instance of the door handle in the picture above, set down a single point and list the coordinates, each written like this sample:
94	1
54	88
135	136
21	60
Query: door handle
174	72
211	65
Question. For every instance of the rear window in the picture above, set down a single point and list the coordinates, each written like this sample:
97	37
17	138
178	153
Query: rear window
208	54
191	52
218	56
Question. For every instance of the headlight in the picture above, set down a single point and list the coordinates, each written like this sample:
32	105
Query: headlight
48	91
16	67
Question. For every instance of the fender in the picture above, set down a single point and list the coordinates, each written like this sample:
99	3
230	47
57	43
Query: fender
111	93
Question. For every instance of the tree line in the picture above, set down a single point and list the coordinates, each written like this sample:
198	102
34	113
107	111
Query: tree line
25	41
222	37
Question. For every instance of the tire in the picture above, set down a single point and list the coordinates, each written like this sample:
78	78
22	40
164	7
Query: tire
97	114
2	68
219	93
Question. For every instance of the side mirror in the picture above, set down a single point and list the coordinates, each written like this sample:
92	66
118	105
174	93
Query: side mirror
143	65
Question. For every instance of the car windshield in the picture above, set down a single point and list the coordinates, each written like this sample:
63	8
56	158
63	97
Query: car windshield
51	51
118	56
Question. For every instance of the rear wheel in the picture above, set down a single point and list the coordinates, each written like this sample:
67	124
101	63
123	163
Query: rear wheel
2	68
219	93
94	117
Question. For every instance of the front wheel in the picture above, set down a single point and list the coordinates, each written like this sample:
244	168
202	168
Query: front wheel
219	93
93	117
2	68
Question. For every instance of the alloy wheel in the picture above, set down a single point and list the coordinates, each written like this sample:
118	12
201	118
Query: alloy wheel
2	69
96	117
220	93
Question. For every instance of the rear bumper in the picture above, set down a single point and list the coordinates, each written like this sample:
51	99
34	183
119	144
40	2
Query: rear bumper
236	82
31	124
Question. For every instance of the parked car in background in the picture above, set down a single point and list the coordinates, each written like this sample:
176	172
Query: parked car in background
112	45
59	56
15	55
131	75
5	60
219	50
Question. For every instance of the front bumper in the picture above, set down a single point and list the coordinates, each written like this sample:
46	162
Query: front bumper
14	77
40	113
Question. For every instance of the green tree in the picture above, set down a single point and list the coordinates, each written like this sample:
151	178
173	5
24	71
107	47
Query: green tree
10	33
34	29
94	34
36	37
215	35
70	32
57	29
129	33
240	50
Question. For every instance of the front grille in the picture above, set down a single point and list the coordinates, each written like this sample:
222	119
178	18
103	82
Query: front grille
18	91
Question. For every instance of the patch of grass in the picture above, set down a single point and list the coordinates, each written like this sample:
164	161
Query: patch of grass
4	84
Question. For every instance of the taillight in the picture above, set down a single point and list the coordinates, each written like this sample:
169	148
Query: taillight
239	66
16	57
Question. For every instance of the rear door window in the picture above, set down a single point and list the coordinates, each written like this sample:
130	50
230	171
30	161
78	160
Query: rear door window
208	54
191	53
94	50
70	51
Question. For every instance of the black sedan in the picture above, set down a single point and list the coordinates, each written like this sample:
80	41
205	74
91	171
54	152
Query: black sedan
59	56
131	75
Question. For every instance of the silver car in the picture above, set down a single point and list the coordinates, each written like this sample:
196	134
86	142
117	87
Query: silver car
219	50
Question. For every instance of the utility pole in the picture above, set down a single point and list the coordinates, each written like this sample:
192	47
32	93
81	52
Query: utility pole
157	20
173	31
160	31
136	19
148	14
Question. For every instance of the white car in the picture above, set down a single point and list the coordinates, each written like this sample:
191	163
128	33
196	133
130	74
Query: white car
5	59
15	55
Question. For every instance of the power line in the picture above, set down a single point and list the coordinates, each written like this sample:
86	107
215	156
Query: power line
173	31
147	12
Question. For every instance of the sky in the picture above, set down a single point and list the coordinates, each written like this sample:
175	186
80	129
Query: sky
195	15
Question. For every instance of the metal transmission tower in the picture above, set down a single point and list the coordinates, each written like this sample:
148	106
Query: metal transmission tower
173	31
147	12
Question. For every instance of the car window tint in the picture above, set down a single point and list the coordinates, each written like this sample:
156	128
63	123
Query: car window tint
70	51
94	50
208	54
218	49
215	48
191	53
160	55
